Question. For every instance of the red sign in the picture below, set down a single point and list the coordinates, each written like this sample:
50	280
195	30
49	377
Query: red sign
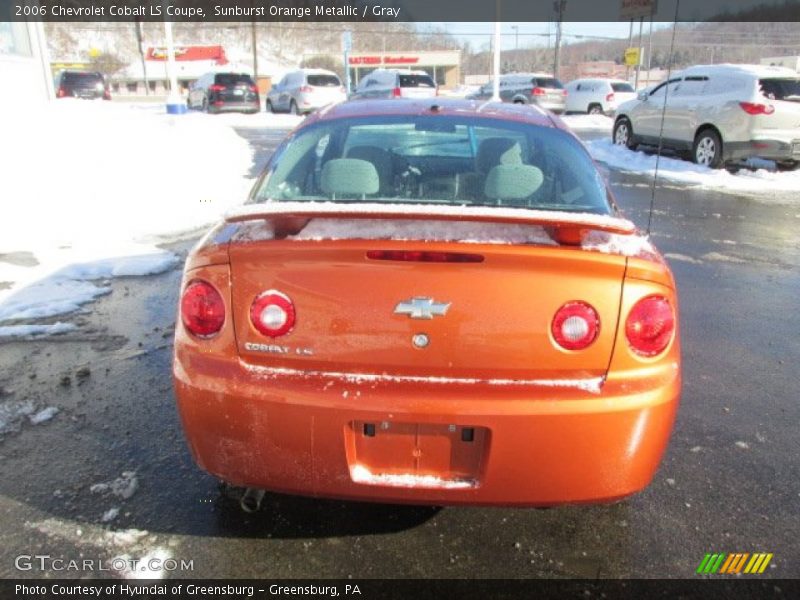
385	60
182	53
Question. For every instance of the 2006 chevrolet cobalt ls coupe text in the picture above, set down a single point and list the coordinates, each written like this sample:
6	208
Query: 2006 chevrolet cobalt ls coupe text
429	301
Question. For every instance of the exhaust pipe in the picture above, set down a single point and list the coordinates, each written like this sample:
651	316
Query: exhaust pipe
251	500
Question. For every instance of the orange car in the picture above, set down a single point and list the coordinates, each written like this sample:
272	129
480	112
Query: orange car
429	302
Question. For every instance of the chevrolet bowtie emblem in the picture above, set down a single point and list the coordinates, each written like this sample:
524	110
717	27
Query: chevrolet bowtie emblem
422	308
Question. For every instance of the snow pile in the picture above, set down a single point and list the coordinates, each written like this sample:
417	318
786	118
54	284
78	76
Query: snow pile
589	122
432	231
12	414
760	181
43	415
123	487
87	200
262	120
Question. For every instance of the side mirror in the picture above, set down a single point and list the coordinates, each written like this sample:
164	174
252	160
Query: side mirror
643	96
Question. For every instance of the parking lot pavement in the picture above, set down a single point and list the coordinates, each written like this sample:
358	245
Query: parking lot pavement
728	483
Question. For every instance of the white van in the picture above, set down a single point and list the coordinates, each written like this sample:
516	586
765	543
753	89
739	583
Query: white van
597	96
719	113
396	83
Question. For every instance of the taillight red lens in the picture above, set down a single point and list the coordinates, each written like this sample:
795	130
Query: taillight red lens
216	88
397	92
537	91
610	97
202	309
61	92
564	92
254	88
752	108
306	89
650	325
272	313
575	326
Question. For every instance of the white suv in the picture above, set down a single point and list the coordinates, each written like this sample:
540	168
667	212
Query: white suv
597	96
719	113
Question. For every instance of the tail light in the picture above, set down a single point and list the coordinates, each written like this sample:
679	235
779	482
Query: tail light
396	92
216	88
752	108
537	91
564	92
106	95
306	89
254	89
424	256
202	309
272	313
650	326
610	97
61	92
575	326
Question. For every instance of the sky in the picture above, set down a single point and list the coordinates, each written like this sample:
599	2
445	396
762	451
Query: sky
534	34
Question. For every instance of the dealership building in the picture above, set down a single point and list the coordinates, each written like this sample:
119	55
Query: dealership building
444	66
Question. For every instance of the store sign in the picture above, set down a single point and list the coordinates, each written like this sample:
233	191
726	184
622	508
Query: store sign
384	60
161	53
633	57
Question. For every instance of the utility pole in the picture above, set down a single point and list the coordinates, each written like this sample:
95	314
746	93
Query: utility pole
558	6
630	41
639	62
140	43
516	36
496	57
255	50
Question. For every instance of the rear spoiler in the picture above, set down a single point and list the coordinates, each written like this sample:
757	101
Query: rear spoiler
375	210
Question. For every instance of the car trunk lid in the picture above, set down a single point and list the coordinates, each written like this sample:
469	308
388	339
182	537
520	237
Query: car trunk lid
361	311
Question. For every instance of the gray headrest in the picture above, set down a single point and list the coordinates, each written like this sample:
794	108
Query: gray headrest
497	151
512	182
349	176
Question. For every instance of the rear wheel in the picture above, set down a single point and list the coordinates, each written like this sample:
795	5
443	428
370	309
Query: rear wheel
595	109
707	149
204	106
269	107
293	107
787	165
518	101
623	133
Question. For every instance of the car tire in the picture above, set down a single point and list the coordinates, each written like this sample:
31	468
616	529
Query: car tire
707	149
270	108
595	109
204	106
188	104
518	101
623	134
293	107
787	165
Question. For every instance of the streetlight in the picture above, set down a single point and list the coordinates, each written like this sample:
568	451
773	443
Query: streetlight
516	36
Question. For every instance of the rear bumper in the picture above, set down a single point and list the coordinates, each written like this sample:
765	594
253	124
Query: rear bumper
529	446
772	149
254	106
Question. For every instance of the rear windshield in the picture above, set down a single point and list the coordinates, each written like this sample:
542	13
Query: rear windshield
82	78
232	79
445	160
622	87
416	81
548	82
781	89
324	81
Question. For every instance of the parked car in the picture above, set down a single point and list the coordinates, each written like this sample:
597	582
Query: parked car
396	83
224	92
717	114
528	88
305	90
81	84
432	304
597	96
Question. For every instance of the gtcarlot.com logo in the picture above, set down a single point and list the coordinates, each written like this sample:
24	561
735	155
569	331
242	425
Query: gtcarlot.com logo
151	564
732	563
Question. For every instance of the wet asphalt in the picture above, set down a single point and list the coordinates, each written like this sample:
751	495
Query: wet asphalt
728	483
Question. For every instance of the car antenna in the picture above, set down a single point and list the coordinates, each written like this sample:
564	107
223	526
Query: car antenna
663	114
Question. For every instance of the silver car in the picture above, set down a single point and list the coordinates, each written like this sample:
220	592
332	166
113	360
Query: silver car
718	114
305	90
542	90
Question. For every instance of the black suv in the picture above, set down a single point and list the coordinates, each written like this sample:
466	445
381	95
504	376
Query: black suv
81	84
217	92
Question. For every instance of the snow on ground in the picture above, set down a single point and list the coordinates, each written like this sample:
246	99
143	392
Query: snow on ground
90	186
756	182
589	122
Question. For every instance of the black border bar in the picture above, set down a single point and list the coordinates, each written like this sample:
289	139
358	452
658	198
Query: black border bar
393	10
